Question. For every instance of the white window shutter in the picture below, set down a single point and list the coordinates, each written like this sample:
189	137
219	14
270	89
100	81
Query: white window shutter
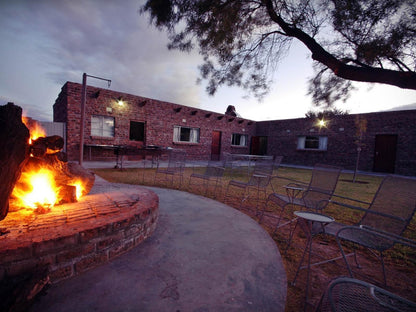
176	134
323	142
301	142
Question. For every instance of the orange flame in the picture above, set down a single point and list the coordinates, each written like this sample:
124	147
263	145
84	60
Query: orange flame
41	192
36	130
36	187
79	188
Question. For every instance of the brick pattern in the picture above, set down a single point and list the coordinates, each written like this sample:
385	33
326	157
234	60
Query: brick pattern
341	132
73	238
160	117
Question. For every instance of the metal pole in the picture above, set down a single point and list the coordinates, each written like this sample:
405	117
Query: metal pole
82	125
82	122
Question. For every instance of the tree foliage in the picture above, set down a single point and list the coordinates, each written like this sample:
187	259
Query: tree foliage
326	113
242	41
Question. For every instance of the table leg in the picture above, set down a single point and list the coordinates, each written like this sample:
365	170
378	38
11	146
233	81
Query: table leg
307	229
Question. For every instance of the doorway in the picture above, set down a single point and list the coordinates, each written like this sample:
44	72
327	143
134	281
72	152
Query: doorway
259	145
216	145
385	153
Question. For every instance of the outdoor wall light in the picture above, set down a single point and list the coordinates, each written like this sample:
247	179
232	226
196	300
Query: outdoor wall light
321	123
120	101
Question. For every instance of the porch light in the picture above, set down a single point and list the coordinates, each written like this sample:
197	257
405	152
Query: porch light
120	101
321	123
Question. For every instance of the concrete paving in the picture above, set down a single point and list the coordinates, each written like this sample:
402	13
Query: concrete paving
203	256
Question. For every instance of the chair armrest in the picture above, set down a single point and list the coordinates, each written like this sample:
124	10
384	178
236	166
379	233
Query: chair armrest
351	199
368	211
289	179
348	205
294	187
396	238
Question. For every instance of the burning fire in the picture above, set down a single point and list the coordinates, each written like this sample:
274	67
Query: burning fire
36	131
37	186
42	189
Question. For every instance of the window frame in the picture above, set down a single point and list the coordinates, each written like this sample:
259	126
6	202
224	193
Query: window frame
239	136
317	143
179	135
101	130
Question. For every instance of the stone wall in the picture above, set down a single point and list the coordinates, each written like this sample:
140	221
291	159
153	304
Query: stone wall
75	237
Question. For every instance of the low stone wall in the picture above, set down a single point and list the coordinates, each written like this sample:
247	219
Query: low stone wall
73	238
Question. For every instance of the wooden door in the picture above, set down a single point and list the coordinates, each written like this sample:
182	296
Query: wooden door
216	145
258	145
385	153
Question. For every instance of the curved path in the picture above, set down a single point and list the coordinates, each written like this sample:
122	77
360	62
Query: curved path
203	256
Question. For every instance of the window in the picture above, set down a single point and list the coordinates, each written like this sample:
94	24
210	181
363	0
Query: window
313	142
185	134
239	139
102	126
136	131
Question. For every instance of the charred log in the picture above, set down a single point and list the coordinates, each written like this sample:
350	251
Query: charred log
68	193
46	145
14	138
87	177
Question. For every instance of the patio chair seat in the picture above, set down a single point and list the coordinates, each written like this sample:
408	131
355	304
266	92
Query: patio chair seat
354	235
348	294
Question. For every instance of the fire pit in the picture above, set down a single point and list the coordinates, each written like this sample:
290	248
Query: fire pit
43	240
74	237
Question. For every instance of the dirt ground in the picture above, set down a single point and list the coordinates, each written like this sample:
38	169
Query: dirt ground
401	271
400	276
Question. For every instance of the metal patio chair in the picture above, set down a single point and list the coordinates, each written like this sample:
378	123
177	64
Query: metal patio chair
383	222
314	196
213	172
175	167
348	294
258	181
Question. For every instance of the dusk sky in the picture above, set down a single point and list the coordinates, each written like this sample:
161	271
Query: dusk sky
45	43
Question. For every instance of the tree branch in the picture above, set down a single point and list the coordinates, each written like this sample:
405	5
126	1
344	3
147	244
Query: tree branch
406	80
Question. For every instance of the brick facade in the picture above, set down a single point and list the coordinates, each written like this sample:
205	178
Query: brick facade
77	236
281	135
159	118
341	132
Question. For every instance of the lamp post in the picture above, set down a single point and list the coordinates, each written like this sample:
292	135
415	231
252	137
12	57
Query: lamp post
82	122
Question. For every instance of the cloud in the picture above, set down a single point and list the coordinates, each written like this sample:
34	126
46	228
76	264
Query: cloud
48	42
111	39
28	109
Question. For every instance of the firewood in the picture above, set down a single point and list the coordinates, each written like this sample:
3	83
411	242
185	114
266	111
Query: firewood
14	147
46	145
87	177
68	193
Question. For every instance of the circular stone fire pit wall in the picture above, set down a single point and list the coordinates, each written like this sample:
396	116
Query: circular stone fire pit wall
73	238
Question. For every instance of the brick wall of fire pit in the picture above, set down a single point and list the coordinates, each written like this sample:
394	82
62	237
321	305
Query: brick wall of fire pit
75	237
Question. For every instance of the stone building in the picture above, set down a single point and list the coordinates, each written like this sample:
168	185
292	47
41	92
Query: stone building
387	140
